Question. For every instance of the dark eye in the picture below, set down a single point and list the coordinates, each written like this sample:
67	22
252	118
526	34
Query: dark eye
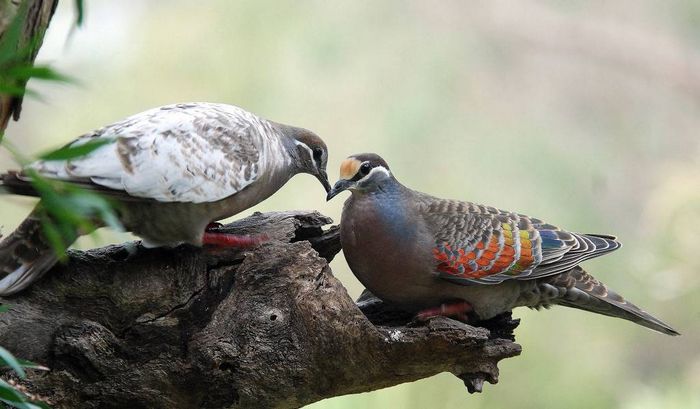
318	153
365	168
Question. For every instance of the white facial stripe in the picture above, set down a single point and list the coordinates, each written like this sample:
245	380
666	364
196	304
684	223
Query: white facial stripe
311	153
378	169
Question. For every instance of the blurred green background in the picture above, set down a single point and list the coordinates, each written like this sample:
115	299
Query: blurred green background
584	113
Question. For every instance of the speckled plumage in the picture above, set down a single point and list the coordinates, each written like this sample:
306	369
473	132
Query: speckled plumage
193	153
174	170
419	251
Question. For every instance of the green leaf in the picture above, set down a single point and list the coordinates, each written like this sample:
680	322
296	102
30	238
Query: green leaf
80	12
28	365
67	210
73	151
6	358
4	307
10	38
10	395
10	89
25	72
31	365
19	404
93	204
53	235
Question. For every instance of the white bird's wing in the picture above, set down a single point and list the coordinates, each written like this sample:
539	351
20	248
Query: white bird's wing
199	152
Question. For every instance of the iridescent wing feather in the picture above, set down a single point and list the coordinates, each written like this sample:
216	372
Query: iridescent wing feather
485	245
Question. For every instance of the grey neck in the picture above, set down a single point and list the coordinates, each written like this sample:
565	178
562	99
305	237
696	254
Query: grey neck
389	186
290	145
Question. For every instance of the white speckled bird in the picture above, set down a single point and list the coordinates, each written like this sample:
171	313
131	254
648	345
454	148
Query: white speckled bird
446	257
173	170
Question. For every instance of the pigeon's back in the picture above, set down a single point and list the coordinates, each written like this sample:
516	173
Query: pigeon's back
197	152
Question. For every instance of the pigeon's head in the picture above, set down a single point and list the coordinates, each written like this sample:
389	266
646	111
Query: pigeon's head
364	172
310	154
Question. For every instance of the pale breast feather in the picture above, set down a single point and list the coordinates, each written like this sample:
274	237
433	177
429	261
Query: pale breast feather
199	152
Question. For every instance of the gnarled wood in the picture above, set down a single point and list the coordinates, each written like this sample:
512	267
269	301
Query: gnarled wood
125	326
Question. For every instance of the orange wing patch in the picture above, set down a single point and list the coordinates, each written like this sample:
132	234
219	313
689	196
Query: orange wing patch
512	254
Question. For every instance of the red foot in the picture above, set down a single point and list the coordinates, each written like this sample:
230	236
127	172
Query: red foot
233	240
457	309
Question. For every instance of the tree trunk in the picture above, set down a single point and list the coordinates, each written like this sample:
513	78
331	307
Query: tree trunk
126	326
35	17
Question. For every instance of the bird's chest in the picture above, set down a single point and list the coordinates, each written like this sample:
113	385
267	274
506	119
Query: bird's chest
383	246
375	228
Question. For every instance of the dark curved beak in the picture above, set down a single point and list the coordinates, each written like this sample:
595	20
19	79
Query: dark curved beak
340	186
322	177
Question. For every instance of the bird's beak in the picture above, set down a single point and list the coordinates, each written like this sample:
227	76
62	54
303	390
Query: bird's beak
322	177
340	186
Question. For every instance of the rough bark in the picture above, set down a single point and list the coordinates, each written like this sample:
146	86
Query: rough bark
126	326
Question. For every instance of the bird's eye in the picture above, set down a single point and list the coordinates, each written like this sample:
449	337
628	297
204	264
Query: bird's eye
365	168
318	153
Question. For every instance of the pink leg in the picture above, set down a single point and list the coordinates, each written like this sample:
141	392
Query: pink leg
233	240
456	309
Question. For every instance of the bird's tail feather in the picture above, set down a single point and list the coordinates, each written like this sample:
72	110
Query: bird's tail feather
25	255
586	293
13	182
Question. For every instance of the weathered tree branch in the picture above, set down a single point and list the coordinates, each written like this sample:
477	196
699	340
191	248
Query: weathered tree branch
125	326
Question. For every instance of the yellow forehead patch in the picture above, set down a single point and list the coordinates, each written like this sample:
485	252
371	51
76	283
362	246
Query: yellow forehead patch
349	168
